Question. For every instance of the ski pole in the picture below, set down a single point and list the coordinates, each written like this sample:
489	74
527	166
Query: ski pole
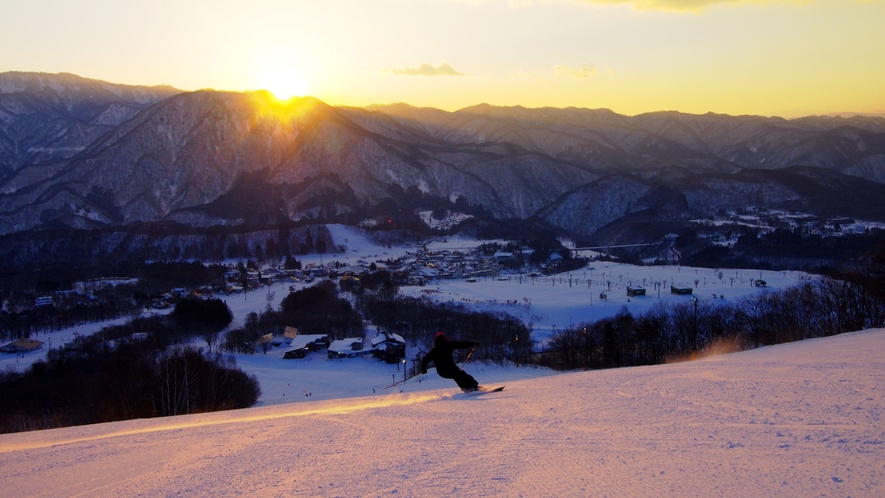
468	357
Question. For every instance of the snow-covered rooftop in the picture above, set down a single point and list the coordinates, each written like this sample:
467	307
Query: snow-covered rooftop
302	340
378	339
344	344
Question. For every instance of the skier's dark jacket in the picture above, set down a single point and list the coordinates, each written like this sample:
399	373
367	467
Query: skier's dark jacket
441	356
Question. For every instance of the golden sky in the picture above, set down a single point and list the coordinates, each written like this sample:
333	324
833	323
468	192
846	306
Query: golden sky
767	57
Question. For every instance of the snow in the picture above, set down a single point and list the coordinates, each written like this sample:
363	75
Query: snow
558	302
301	341
53	340
797	419
545	303
801	419
451	220
345	344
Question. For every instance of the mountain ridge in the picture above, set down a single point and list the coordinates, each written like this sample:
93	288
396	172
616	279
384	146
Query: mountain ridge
87	157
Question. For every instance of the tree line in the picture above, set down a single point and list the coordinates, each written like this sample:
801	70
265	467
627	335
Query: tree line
819	308
142	369
322	309
418	320
313	310
98	302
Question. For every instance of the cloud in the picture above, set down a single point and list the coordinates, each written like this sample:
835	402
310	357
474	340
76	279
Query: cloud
581	71
641	5
424	70
512	3
683	5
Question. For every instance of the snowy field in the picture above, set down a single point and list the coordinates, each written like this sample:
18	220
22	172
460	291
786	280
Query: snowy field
800	419
544	303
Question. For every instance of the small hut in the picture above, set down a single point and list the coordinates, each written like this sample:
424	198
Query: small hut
635	291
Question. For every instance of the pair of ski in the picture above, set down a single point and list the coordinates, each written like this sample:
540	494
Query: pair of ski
484	390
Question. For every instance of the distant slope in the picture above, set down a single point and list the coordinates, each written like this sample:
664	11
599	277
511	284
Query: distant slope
797	419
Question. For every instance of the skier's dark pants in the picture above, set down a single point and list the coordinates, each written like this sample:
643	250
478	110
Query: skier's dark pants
462	378
441	356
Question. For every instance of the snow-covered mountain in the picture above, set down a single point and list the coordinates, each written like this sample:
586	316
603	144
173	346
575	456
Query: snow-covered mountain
82	154
53	117
800	419
709	142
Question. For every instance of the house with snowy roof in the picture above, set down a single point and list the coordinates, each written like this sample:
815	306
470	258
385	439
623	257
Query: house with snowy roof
389	347
680	290
427	273
348	348
502	256
633	291
43	301
382	339
302	344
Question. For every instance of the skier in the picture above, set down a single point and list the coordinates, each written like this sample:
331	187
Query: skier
441	356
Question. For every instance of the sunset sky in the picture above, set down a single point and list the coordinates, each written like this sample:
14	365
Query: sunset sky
768	57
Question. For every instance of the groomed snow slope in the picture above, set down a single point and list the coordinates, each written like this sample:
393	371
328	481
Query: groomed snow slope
803	419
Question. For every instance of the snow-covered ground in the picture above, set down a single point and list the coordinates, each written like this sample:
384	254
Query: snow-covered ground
801	419
545	303
557	302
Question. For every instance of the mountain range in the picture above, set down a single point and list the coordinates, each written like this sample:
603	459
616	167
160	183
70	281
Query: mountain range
81	154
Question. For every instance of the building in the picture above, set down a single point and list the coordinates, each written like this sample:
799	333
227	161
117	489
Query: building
389	347
290	334
348	348
23	345
502	256
682	291
302	344
636	291
296	353
43	301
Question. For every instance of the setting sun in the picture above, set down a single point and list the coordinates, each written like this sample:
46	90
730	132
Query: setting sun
284	83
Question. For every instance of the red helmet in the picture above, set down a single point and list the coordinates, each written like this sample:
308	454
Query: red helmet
440	337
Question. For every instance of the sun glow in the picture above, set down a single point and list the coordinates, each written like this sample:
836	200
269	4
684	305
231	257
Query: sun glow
284	83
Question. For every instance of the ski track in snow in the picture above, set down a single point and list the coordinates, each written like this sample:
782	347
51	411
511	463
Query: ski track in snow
801	419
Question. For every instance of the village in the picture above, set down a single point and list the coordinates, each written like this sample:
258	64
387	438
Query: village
408	269
411	269
432	262
417	266
475	275
415	269
767	220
